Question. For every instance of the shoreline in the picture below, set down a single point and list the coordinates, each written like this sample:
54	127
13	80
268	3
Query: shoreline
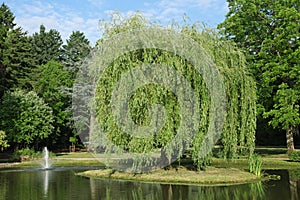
212	176
221	172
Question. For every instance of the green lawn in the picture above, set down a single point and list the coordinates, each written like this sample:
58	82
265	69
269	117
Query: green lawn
180	175
273	158
74	155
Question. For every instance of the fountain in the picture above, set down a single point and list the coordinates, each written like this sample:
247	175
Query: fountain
46	158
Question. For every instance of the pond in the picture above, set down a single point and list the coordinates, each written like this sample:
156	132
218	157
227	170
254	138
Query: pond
62	183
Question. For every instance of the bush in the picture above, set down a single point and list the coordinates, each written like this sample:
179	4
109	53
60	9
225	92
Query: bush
26	154
295	156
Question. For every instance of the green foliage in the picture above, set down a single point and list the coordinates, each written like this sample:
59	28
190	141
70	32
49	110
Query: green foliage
294	175
255	163
46	46
238	135
15	58
26	154
52	85
25	118
285	111
3	141
294	156
268	31
239	132
6	24
31	63
75	51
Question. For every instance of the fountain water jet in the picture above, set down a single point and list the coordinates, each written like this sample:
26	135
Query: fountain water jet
46	158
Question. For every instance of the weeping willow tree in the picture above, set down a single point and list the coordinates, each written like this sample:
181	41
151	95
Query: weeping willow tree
143	103
238	136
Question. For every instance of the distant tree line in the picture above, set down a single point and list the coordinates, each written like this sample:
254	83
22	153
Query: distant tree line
36	76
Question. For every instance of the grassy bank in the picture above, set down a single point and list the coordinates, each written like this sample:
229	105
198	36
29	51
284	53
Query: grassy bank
273	158
181	175
54	163
223	172
56	160
268	163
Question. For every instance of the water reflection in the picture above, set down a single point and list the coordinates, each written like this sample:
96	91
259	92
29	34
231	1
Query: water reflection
108	189
46	183
294	177
56	184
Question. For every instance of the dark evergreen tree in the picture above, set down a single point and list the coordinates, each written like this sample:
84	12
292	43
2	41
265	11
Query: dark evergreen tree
17	59
46	46
77	48
6	24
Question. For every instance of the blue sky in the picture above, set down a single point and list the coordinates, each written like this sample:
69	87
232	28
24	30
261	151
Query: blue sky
84	15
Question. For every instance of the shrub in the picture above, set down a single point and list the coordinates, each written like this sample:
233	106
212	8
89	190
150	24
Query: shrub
295	156
26	154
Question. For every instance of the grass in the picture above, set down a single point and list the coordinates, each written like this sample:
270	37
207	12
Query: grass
181	175
267	163
276	152
54	163
74	155
273	158
223	171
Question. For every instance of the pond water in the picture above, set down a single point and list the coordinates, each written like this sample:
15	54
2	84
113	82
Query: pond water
62	183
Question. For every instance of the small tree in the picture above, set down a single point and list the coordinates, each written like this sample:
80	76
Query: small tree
286	114
73	141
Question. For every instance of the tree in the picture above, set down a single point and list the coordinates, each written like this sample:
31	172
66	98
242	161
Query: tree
75	51
46	46
6	24
15	58
239	128
268	32
52	85
25	118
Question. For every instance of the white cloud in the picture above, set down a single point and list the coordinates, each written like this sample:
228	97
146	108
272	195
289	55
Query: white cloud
97	3
201	10
200	4
85	17
32	15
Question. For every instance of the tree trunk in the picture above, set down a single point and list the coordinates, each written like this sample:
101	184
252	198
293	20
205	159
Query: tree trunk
290	138
91	144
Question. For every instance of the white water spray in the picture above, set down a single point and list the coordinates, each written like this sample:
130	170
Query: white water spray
46	158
